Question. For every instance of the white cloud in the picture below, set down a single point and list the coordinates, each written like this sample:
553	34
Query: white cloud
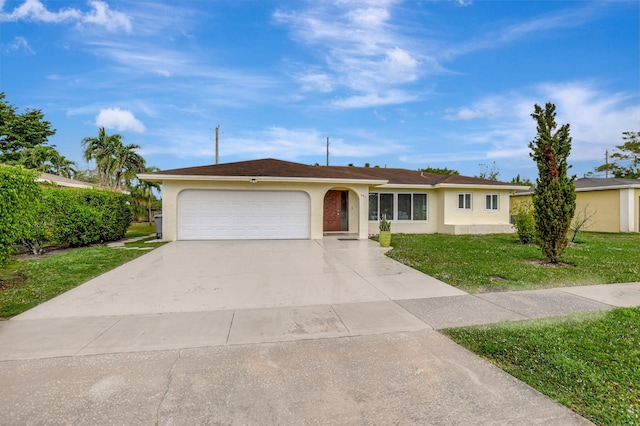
596	117
18	43
34	10
485	108
115	118
100	15
361	51
317	81
391	97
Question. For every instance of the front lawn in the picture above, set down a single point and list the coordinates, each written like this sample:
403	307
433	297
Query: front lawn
27	283
588	362
141	229
480	263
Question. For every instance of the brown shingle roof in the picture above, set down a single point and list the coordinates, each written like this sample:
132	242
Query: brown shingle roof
277	168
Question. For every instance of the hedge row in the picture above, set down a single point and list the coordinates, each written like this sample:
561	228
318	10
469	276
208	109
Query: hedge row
78	217
69	216
18	193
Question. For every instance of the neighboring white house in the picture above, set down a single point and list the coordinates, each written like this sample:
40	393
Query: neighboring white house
274	199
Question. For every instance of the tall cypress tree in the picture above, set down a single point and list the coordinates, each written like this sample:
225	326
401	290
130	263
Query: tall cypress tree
554	197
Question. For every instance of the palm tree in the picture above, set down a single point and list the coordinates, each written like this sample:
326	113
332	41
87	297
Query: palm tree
126	164
62	166
116	163
148	188
39	158
100	149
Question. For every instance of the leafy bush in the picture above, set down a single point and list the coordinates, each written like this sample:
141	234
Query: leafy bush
114	210
524	222
18	193
75	222
77	217
41	228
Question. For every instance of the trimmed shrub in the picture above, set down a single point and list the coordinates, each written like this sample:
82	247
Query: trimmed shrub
42	222
75	223
524	222
18	195
77	217
114	210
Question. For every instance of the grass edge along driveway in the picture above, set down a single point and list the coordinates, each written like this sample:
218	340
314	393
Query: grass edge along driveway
498	262
25	284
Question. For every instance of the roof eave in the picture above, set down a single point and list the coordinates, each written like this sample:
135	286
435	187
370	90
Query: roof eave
406	186
480	186
160	178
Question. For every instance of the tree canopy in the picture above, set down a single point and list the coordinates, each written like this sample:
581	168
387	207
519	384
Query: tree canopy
625	158
439	170
518	180
20	132
489	172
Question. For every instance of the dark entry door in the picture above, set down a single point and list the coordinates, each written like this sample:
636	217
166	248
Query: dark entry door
333	211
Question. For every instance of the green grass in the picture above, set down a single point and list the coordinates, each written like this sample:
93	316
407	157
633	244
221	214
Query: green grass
141	229
25	284
588	362
150	242
480	263
32	282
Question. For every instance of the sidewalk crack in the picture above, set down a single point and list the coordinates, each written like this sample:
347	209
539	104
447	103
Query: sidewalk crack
98	336
166	390
230	326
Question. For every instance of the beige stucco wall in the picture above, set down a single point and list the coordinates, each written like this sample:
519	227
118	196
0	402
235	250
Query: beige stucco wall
358	202
477	220
444	216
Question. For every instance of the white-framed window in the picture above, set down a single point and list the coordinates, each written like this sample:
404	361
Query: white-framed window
491	202
397	206
373	206
464	201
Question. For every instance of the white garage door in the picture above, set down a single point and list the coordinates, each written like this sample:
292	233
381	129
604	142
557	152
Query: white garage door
232	215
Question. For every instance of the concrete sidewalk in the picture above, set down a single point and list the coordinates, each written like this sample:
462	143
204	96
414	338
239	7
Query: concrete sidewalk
24	338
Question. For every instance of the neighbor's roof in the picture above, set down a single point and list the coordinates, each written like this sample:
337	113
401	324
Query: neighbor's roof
72	183
285	169
63	181
605	183
596	184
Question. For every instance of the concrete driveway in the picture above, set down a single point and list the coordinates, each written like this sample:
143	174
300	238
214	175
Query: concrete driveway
195	276
209	293
253	332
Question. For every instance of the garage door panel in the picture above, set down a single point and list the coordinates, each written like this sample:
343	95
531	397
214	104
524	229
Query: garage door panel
216	214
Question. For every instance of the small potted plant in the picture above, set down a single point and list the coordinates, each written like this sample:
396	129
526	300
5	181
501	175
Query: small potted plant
385	232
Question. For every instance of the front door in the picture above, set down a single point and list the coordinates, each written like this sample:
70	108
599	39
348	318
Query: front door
334	211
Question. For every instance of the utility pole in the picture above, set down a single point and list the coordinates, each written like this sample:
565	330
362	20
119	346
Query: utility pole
327	150
606	161
217	128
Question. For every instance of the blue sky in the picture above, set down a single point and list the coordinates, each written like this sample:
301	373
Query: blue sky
398	83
